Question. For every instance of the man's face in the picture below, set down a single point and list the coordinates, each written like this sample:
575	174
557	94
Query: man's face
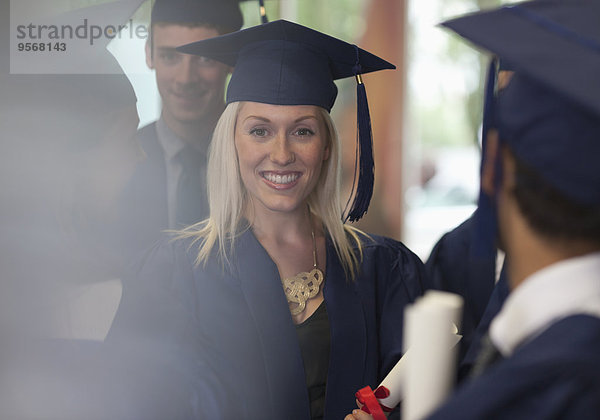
191	87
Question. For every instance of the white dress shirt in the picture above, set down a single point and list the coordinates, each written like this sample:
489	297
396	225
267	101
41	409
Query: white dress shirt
172	145
560	290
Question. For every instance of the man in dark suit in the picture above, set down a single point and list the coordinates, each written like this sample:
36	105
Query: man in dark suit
168	188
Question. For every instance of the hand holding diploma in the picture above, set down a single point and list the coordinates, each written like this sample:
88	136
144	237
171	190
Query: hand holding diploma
424	376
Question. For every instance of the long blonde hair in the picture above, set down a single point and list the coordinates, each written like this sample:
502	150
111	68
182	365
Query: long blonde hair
227	197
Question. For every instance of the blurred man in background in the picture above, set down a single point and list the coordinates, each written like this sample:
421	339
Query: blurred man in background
168	189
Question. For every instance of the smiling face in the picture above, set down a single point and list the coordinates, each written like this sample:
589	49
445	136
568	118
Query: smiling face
191	87
281	150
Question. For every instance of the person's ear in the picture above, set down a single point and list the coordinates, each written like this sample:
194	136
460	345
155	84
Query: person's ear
149	57
490	160
326	152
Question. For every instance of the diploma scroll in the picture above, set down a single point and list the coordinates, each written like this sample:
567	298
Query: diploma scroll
430	335
424	376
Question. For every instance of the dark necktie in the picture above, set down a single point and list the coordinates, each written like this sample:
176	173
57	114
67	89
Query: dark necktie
191	203
488	355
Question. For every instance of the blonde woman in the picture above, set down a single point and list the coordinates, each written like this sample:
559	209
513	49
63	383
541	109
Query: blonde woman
293	309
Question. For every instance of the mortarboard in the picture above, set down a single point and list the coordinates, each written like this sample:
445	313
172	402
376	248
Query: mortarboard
555	42
283	63
550	111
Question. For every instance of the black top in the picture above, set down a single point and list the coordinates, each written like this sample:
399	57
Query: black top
315	345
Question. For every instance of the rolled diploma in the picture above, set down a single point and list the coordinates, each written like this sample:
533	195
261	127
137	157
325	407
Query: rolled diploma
395	381
430	375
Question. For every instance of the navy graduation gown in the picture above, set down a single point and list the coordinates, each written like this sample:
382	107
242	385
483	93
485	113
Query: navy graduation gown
497	299
142	210
554	376
240	309
454	267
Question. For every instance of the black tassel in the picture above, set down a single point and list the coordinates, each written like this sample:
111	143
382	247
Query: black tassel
263	12
366	164
486	231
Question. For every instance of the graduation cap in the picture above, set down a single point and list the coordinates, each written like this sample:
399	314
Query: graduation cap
550	111
224	14
283	63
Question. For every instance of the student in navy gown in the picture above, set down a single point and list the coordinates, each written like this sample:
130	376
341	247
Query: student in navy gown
455	266
540	167
68	149
540	172
459	264
300	309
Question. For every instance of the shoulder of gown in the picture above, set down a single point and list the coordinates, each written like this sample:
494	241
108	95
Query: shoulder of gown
387	258
155	339
554	375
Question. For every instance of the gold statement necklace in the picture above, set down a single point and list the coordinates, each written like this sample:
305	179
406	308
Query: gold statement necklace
303	286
